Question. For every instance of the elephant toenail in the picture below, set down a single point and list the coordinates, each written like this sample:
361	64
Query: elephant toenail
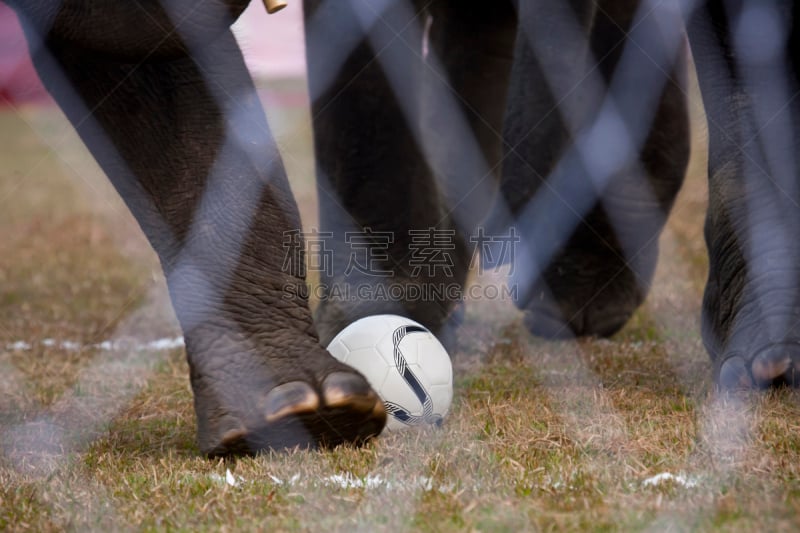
342	389
770	364
293	398
734	375
379	412
233	436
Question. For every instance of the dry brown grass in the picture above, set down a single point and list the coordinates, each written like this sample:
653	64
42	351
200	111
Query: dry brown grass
543	435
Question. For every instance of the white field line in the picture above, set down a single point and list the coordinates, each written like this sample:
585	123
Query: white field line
373	482
118	370
111	345
665	477
344	480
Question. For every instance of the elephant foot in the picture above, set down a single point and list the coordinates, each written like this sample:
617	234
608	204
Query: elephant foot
546	318
257	401
773	365
751	314
295	414
581	296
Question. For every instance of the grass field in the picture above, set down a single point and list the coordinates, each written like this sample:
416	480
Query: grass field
620	434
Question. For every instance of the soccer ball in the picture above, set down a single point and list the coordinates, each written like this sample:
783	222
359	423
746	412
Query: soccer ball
405	364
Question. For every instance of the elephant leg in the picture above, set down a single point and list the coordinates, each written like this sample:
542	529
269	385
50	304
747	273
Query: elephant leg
183	138
468	59
597	147
748	64
400	104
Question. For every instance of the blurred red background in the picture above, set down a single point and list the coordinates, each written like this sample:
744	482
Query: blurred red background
272	44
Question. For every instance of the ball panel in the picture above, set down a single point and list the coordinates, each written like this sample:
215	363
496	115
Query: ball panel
365	358
369	363
385	349
338	349
442	396
435	363
409	347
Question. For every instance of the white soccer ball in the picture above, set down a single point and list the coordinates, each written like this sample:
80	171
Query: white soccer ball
405	364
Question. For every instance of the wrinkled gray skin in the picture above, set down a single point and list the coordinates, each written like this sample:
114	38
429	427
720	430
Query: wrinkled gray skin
168	109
